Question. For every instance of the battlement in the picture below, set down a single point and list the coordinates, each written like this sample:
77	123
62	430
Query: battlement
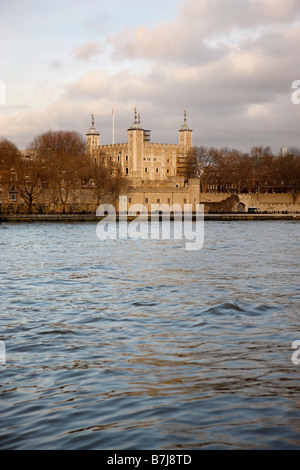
150	145
112	146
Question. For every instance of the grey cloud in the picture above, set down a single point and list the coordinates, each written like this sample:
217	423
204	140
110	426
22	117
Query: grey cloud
188	37
235	90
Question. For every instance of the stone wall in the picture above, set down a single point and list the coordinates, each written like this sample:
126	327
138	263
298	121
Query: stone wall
172	192
215	202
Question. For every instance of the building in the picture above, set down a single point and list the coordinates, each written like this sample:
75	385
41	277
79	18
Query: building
157	172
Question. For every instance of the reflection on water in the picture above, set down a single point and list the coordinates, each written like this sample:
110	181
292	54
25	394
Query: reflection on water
141	344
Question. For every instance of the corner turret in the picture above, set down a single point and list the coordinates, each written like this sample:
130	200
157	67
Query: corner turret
92	137
185	134
135	147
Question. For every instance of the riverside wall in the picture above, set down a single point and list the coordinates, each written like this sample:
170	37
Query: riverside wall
265	203
84	203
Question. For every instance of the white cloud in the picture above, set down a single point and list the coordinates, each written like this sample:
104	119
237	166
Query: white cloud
87	52
188	38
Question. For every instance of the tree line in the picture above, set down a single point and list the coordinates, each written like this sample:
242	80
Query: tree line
233	171
57	165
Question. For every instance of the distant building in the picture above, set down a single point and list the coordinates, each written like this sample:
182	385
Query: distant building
283	151
140	159
157	172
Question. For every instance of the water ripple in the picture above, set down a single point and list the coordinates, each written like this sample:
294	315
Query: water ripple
136	345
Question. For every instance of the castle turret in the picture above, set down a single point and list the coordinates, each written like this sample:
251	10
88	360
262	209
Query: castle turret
185	134
92	137
135	147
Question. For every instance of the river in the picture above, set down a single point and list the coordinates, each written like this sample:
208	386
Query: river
142	344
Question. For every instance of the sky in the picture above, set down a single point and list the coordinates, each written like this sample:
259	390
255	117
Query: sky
229	63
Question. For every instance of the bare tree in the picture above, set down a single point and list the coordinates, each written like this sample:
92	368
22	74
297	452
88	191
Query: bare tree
9	154
105	179
30	177
289	171
63	153
9	160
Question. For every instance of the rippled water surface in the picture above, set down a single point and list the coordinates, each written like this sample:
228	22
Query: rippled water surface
142	344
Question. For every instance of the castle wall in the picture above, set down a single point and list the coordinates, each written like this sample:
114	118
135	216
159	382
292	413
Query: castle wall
166	194
146	161
140	159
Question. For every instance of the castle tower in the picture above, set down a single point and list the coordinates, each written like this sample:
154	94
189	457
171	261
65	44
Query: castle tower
185	134
92	138
135	148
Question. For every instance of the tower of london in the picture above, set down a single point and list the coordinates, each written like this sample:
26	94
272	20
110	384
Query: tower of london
156	171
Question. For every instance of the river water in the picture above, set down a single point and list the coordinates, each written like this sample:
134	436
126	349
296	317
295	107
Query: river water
142	344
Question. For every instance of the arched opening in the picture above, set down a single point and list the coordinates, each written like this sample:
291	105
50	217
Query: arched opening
240	207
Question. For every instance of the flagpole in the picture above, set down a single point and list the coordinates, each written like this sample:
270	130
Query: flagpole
113	126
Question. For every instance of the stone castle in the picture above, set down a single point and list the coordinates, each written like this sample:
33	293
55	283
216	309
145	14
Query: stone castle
156	171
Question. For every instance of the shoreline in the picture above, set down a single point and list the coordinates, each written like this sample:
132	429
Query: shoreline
67	218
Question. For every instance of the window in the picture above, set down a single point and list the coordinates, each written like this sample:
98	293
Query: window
127	171
168	160
129	199
146	170
13	197
169	200
146	199
154	159
126	158
158	200
118	158
184	201
168	170
157	170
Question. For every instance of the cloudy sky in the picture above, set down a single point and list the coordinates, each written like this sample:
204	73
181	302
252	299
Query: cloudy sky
229	63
